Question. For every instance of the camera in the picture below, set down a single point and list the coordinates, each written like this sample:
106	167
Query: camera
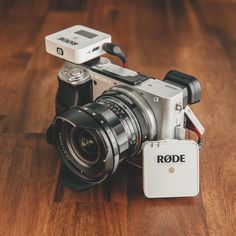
106	114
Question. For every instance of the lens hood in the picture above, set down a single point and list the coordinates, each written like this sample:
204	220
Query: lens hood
73	182
58	134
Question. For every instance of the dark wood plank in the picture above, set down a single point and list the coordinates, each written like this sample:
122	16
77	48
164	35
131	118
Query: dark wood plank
24	200
197	37
194	54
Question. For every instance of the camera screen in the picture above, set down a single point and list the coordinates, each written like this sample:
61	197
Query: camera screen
86	34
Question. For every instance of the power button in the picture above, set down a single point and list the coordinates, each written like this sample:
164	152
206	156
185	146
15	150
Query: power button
60	51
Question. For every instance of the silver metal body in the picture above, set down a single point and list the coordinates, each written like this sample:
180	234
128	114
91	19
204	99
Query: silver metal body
164	99
166	117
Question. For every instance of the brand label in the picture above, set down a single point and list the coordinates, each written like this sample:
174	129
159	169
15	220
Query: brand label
65	40
169	86
170	158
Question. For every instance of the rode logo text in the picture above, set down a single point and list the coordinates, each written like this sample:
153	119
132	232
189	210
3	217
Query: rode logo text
65	40
170	158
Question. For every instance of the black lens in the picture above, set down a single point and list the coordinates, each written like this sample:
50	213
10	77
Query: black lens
93	139
85	144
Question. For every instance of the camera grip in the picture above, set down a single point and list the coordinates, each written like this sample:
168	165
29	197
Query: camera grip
69	95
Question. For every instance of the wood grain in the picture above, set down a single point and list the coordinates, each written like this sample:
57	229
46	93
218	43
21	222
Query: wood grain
197	37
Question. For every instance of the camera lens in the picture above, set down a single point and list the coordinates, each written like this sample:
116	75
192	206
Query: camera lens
93	139
127	118
85	144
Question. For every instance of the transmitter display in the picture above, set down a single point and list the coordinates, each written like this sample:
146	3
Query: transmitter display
86	34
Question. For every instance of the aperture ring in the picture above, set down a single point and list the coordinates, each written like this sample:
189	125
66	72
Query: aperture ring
127	119
142	106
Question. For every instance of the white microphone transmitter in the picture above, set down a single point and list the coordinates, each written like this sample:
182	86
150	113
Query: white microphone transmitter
77	44
171	169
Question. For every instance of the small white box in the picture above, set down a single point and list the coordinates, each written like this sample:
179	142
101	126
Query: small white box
77	44
171	169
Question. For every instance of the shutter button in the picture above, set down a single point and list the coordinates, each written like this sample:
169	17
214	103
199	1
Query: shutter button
76	74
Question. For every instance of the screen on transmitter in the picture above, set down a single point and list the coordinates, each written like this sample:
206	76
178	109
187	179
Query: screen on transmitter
86	34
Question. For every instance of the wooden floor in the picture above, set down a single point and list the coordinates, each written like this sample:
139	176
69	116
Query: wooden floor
197	37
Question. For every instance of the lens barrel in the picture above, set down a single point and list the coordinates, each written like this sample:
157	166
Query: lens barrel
93	139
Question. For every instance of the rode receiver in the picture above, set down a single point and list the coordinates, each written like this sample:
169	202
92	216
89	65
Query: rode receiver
171	169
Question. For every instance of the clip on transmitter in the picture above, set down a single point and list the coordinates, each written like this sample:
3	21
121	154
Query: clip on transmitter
77	44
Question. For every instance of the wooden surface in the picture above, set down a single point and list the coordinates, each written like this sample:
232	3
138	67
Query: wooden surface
197	37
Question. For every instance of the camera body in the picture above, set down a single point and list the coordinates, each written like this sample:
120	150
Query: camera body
82	84
106	114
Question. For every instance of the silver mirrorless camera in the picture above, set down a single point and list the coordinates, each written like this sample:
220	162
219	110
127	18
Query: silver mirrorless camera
106	114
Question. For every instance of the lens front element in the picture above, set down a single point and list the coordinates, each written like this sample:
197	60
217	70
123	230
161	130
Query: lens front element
84	142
